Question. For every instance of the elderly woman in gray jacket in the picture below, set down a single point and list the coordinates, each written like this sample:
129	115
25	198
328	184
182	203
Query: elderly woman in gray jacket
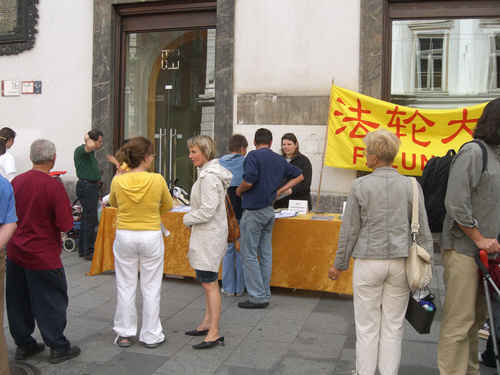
376	232
208	224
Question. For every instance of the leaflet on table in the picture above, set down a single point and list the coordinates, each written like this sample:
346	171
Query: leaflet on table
181	209
285	213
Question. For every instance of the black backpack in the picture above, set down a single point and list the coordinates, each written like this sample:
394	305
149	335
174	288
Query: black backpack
434	183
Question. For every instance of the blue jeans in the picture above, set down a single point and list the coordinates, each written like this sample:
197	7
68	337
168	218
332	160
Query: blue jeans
88	194
232	272
40	295
256	234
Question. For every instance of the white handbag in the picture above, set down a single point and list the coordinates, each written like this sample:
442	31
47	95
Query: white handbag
418	263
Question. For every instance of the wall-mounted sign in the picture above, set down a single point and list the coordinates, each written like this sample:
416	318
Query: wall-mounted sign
37	87
27	87
10	88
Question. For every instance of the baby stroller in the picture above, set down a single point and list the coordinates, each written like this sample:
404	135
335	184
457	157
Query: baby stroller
482	262
70	238
179	195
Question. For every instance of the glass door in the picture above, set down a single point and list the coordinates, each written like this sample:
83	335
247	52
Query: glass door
170	95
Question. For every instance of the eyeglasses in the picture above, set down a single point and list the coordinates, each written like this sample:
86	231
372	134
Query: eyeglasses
153	155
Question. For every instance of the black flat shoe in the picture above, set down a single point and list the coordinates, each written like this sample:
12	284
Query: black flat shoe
209	344
252	305
197	333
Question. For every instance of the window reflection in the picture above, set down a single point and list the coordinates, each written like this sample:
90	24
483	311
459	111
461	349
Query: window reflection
454	60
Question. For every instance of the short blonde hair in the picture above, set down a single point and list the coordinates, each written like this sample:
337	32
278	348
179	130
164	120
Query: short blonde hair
382	143
206	145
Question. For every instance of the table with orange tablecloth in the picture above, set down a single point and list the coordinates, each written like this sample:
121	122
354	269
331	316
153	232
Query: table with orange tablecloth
303	251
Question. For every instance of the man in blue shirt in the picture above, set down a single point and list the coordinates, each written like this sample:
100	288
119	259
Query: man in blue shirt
263	172
8	225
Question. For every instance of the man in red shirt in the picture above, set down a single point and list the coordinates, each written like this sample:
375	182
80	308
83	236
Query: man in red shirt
36	285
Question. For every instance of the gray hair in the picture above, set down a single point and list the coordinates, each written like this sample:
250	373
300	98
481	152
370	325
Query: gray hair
382	143
42	151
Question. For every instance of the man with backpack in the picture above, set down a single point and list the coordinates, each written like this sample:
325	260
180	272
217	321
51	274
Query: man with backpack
472	222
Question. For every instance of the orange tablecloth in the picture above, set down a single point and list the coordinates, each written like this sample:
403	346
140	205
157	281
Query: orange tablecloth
303	251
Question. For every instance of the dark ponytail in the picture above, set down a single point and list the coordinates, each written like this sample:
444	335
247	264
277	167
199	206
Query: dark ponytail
134	151
5	135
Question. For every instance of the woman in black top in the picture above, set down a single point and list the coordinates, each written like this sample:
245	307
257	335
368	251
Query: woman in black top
301	191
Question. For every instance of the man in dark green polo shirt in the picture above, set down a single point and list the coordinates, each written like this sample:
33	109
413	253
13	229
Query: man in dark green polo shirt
87	191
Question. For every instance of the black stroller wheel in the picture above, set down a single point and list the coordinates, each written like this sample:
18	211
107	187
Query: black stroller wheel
69	244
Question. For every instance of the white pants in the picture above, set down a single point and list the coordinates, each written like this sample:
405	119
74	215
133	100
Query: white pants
136	250
381	294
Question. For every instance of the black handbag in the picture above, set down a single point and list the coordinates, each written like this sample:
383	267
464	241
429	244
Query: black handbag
419	315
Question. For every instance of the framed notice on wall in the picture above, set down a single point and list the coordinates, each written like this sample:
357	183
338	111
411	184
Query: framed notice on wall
10	88
27	87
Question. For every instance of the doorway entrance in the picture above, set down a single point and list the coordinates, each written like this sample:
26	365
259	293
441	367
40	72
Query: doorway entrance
167	75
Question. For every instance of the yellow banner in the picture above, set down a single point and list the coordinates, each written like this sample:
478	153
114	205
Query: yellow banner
424	133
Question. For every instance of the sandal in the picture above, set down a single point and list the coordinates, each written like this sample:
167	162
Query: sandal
123	342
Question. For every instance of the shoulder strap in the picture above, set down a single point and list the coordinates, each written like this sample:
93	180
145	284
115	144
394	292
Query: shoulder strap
414	210
229	206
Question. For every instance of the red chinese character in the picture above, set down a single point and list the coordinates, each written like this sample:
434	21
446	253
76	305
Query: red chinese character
360	123
414	129
463	126
396	124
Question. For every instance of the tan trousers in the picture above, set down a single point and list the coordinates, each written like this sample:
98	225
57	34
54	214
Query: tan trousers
464	312
381	295
4	355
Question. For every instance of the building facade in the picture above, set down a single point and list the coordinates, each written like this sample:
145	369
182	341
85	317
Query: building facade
168	70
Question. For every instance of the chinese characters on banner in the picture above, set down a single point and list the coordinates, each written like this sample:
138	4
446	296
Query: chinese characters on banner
424	133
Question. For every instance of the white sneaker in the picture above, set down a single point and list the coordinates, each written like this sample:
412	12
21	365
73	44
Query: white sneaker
226	293
480	358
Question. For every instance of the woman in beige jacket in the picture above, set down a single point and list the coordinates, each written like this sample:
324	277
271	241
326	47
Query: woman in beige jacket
376	231
208	224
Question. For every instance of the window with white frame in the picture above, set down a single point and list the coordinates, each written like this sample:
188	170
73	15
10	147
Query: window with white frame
429	72
495	62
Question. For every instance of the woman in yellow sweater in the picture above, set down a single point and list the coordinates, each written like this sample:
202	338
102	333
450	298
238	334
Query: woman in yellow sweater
141	197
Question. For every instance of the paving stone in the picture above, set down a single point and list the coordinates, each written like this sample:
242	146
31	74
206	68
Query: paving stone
85	302
234	370
170	306
285	330
188	289
131	363
192	361
104	312
310	345
259	354
328	323
292	308
301	366
99	349
419	354
81	329
73	366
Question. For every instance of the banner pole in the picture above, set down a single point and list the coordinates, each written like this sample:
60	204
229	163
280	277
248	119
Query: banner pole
324	148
